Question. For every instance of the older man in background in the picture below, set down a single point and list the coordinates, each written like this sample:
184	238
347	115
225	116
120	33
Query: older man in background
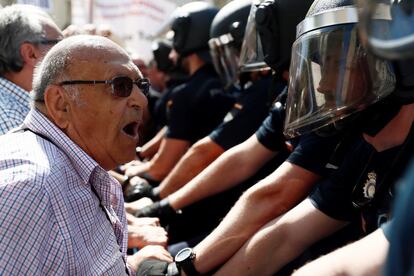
60	211
26	34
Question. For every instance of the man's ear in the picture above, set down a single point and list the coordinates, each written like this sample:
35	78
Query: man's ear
29	53
58	105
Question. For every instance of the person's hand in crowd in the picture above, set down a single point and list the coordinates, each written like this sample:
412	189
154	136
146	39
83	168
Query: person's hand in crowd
120	177
149	252
134	207
134	221
136	169
156	267
141	236
133	163
138	188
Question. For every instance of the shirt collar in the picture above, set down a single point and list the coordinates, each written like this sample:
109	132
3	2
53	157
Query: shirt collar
14	91
81	161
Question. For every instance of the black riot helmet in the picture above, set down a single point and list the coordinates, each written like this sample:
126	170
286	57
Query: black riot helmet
270	33
161	49
332	76
391	37
191	26
227	32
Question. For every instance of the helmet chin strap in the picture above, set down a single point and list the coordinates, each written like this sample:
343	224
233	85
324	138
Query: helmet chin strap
370	121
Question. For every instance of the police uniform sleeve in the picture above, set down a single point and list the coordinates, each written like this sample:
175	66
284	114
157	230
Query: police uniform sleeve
334	194
197	109
313	152
243	119
270	133
180	117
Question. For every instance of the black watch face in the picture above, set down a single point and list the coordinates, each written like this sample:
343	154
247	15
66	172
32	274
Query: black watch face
183	254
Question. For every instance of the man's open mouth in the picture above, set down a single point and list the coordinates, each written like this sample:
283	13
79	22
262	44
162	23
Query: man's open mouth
131	129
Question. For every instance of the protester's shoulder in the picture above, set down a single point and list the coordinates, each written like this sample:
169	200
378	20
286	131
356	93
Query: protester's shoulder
11	116
27	156
22	171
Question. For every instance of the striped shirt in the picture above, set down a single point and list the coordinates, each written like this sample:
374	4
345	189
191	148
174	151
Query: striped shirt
51	219
14	105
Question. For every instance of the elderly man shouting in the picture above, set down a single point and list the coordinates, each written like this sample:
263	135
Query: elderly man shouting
60	211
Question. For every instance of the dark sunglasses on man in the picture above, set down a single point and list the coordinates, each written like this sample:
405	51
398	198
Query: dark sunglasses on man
121	86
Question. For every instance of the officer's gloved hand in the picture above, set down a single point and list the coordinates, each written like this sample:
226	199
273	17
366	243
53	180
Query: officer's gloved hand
151	267
160	209
138	188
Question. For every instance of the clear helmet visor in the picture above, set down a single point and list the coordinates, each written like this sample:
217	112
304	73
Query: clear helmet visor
332	77
388	27
225	57
251	54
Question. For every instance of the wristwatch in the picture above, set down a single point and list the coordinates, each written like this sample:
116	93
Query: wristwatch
184	260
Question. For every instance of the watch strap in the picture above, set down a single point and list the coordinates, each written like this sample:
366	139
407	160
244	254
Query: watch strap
187	265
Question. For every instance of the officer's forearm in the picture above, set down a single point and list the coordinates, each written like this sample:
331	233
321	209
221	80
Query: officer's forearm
364	257
171	150
263	202
196	159
231	168
226	239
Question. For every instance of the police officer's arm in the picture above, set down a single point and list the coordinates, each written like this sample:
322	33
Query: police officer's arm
266	200
234	166
171	150
196	159
280	241
363	257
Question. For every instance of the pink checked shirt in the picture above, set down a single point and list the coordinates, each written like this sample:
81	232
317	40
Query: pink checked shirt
51	221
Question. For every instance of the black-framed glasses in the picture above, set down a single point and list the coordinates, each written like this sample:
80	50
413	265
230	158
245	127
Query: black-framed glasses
121	86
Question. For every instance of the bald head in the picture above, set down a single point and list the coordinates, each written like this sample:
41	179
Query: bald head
72	54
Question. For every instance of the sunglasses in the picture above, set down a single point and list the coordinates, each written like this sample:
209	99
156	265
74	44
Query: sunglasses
121	86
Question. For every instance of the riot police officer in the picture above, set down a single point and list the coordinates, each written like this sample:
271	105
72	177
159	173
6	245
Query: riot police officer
330	88
396	44
250	109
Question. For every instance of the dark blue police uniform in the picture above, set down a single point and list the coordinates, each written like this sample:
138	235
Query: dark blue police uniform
310	151
159	112
198	106
249	111
361	184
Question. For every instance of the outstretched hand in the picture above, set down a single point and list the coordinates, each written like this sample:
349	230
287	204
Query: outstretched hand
156	252
141	236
